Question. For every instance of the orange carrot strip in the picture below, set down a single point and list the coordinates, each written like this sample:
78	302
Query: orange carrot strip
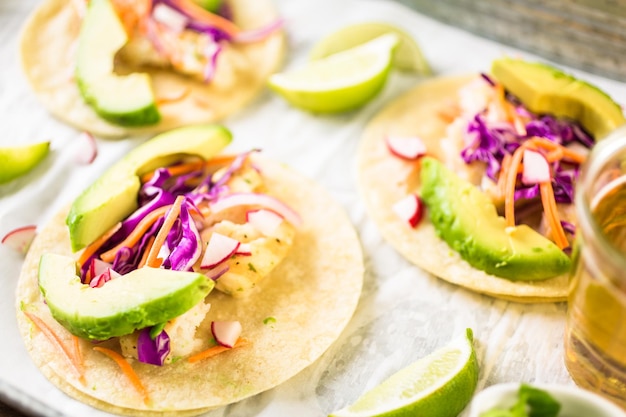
509	186
173	98
214	350
171	217
504	169
549	207
127	370
144	256
96	244
550	146
137	233
59	345
205	16
554	155
187	167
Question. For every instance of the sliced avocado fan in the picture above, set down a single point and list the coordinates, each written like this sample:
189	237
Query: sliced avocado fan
467	220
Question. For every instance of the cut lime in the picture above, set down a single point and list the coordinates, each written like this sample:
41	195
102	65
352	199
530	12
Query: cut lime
16	161
438	385
407	56
340	82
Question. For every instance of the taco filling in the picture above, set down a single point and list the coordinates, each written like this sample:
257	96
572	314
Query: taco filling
490	176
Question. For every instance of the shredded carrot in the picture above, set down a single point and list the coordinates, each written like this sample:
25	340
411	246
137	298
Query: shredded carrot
549	207
144	256
509	186
73	359
127	370
504	168
137	233
95	245
171	217
173	98
554	155
187	167
205	16
551	146
78	354
214	350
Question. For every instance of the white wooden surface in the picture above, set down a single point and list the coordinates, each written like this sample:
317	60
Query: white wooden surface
403	314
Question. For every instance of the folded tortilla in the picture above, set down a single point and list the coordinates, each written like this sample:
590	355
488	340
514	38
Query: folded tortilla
310	297
48	52
384	179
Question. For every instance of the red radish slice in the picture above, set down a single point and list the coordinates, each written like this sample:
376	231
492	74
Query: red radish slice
265	221
88	150
170	17
254	199
219	249
226	333
536	168
217	272
410	209
244	249
409	148
98	266
20	239
99	280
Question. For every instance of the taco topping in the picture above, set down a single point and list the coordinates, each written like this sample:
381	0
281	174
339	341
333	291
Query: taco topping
514	156
205	216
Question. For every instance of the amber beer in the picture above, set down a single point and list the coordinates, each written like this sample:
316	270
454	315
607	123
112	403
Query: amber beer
595	338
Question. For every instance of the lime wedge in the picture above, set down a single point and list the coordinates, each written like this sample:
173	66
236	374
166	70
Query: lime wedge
407	57
438	385
340	82
16	161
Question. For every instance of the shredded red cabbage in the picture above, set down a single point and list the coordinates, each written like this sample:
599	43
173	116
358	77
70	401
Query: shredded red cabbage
153	351
489	142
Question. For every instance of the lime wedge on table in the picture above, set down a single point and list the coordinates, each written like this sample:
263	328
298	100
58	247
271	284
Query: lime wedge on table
16	161
407	56
340	82
438	385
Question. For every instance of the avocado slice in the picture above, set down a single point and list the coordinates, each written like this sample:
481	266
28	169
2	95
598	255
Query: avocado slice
467	220
141	298
126	100
113	197
544	89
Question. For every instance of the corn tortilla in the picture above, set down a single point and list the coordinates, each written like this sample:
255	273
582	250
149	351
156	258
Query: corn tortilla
384	179
48	51
311	296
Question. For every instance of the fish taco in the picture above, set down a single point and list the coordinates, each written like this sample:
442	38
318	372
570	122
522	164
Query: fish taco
119	67
186	278
472	177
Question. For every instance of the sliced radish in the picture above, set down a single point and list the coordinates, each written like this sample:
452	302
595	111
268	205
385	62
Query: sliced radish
87	150
219	249
226	333
255	199
265	221
536	168
244	249
215	273
410	209
98	266
20	239
409	148
170	17
107	275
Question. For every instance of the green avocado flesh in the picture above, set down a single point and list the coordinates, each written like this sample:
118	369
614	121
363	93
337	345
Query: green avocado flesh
126	100
544	89
113	197
141	298
467	220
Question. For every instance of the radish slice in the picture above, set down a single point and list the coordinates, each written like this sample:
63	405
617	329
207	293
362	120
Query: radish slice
226	333
107	275
20	239
244	249
254	199
219	249
88	150
410	209
536	168
98	266
265	221
170	17
409	148
215	273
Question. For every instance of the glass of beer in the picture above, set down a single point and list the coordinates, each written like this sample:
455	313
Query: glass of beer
595	337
